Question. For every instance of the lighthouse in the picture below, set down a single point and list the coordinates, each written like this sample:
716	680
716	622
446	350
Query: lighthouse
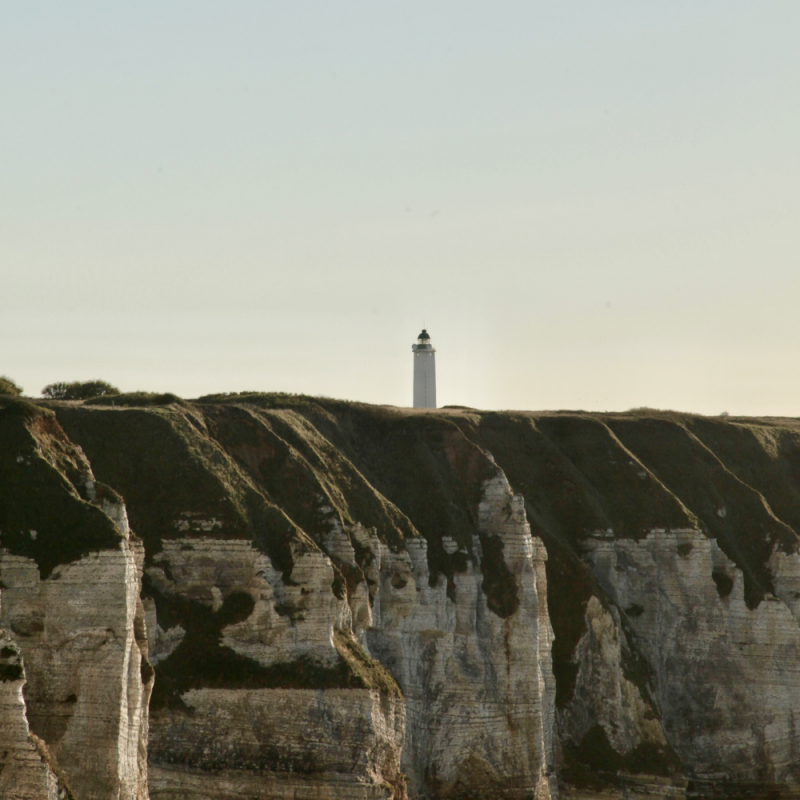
424	372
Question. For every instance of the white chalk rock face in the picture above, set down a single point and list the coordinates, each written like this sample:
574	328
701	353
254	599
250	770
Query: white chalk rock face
24	773
603	695
258	743
478	707
208	571
726	676
609	710
785	569
81	633
271	743
479	688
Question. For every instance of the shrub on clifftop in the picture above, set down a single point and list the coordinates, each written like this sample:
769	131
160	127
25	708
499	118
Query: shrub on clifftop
7	386
79	390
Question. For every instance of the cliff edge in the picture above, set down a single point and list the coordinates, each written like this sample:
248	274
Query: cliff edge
329	599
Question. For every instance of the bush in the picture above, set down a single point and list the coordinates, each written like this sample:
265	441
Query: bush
79	390
17	407
7	386
138	399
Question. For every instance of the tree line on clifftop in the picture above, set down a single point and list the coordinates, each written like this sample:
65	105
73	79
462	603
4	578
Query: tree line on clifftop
62	390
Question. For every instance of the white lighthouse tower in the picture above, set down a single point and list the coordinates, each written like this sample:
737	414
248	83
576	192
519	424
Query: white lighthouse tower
424	372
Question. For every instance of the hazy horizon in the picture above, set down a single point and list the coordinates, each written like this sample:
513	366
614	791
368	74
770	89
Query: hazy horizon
590	206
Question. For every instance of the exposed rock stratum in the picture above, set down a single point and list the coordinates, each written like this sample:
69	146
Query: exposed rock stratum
267	596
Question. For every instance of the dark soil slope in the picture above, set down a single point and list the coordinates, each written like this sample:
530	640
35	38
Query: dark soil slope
45	511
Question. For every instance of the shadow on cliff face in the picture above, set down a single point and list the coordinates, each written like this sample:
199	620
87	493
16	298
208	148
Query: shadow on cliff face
595	764
201	661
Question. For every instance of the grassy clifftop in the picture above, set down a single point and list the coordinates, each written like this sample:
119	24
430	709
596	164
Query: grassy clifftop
45	510
279	469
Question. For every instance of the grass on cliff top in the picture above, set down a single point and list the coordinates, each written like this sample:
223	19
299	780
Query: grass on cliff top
386	470
172	474
136	400
42	515
632	500
766	456
20	407
302	472
275	400
729	510
9	387
399	473
425	467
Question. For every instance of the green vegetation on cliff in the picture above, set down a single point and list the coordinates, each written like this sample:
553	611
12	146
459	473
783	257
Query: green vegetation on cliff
7	386
78	390
44	512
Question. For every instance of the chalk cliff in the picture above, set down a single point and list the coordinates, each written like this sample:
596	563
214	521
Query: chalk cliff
306	637
674	538
69	595
25	769
347	601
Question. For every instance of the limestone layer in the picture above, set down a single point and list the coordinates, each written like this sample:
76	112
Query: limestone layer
479	688
363	602
24	771
85	694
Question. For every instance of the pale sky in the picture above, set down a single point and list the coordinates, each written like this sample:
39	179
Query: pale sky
591	205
